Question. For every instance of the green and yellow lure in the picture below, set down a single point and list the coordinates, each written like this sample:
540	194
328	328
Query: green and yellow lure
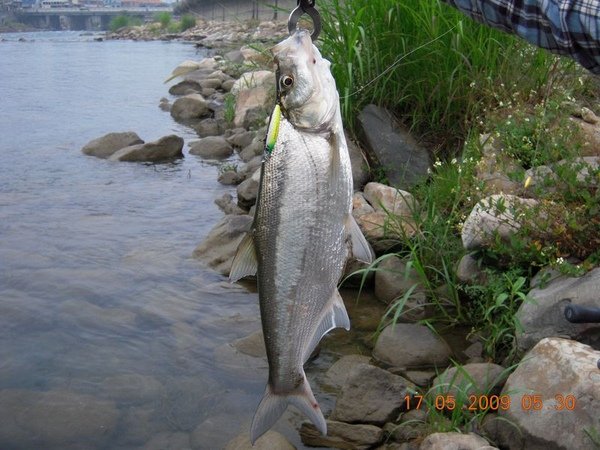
273	129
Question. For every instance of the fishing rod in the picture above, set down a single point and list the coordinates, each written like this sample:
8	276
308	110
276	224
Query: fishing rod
305	7
582	314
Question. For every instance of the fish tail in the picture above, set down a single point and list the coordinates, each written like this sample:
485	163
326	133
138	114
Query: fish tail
272	406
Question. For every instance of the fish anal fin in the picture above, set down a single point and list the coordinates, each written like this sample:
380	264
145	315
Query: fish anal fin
360	248
244	262
334	316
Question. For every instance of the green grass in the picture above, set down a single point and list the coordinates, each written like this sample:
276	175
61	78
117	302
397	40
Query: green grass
187	21
432	66
122	21
164	18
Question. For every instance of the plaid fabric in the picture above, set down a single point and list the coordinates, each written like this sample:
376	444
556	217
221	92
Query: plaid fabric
566	27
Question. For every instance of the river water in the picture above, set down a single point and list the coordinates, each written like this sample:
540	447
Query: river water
111	335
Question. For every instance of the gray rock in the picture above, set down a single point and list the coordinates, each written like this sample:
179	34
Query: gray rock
360	166
253	106
411	346
168	440
108	144
495	215
183	87
235	56
390	200
192	106
207	127
54	419
247	190
407	431
471	379
214	147
394	277
241	139
164	149
421	378
469	270
360	205
371	395
403	161
543	316
554	369
342	435
219	247
227	205
246	170
337	374
230	177
164	104
256	148
252	80
210	83
271	440
455	441
227	85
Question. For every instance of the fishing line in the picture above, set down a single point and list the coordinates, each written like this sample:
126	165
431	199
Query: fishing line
395	63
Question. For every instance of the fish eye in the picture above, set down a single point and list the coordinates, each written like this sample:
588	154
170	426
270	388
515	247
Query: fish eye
286	82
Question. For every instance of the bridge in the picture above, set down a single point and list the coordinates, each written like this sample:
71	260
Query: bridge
82	18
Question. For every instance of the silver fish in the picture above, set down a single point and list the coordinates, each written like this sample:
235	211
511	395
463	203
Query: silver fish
303	230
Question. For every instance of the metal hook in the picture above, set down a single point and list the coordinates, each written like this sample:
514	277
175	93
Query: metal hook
305	7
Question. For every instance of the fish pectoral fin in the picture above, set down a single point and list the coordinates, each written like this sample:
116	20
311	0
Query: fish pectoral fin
359	247
334	316
244	262
273	405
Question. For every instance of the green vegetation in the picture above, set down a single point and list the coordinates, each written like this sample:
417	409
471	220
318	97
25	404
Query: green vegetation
187	21
229	105
123	21
164	18
451	80
431	65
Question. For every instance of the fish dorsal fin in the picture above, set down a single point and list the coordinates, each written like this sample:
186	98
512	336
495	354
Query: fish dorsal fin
359	247
244	261
334	316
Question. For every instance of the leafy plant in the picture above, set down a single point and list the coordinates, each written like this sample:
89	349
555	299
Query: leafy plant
122	21
229	107
164	18
435	68
187	21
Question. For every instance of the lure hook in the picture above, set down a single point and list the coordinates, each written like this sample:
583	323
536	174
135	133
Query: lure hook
305	7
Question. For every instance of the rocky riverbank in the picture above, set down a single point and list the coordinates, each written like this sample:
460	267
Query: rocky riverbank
384	395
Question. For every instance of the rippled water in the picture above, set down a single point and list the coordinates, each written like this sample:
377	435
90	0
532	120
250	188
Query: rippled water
111	334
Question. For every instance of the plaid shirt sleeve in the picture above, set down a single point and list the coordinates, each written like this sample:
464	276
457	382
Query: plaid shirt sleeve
566	27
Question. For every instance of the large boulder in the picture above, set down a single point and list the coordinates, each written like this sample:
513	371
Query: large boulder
471	379
453	440
360	165
555	393
255	95
392	148
271	440
108	144
337	374
247	190
342	435
219	247
214	147
185	87
164	149
543	315
371	395
411	346
190	107
497	215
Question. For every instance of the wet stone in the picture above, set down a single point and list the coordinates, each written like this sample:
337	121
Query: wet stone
271	440
337	374
342	435
371	395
